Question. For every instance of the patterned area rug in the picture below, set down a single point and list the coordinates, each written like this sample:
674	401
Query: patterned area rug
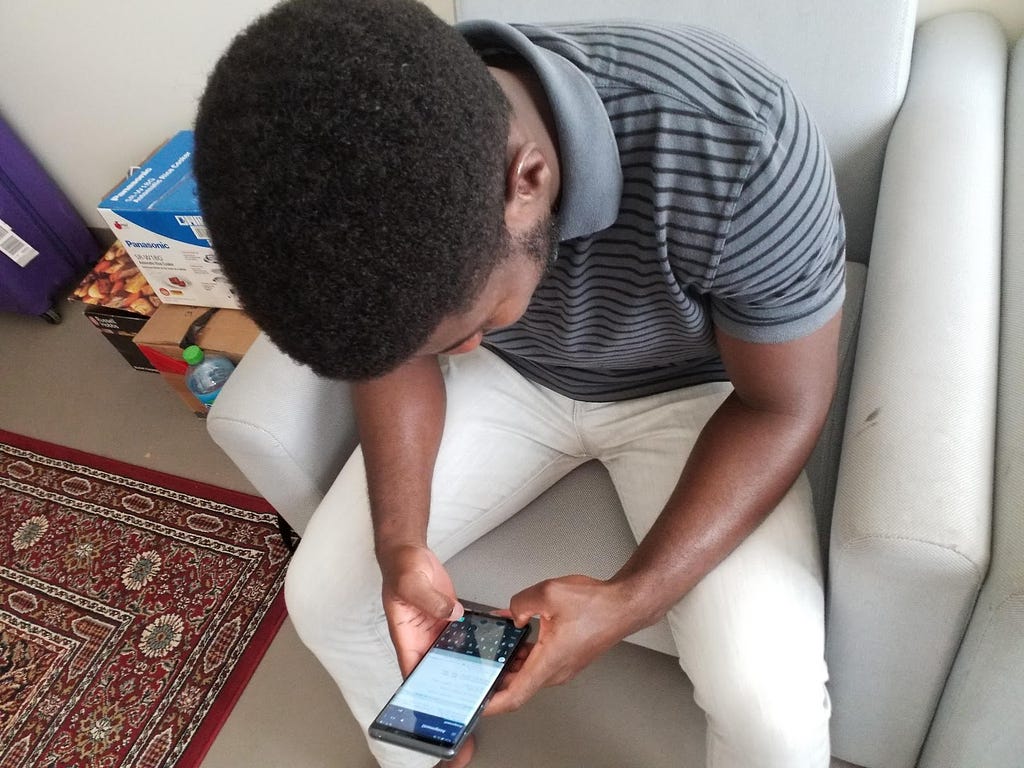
134	607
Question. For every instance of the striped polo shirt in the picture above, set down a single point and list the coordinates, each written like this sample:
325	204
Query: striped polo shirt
696	192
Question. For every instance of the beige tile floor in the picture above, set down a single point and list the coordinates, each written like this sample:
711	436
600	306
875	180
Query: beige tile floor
66	384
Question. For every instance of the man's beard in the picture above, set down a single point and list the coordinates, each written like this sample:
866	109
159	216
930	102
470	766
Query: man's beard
540	243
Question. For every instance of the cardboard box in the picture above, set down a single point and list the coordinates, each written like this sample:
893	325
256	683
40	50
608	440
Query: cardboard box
155	213
120	302
228	332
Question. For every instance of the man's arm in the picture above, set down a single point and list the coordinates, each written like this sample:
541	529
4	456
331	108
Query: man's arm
401	418
747	457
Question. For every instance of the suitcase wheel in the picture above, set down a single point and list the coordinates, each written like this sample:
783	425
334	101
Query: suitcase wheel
52	316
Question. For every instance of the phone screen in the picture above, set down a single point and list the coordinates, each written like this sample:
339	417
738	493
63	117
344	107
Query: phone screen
440	700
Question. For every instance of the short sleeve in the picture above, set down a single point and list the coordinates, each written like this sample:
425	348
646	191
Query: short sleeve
780	274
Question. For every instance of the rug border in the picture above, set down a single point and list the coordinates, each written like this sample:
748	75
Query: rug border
217	716
145	474
219	712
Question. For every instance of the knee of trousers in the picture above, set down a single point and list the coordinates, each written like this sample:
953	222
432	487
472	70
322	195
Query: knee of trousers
330	596
766	709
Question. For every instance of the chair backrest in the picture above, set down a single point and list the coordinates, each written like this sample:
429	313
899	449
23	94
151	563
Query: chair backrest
847	61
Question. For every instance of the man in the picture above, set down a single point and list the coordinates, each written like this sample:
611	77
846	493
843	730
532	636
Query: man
528	248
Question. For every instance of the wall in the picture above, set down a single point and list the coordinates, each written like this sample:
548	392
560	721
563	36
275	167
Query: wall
93	86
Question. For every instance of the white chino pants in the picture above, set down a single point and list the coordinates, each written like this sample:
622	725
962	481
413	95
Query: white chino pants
750	635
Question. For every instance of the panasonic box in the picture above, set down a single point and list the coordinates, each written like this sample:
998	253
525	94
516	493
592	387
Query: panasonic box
155	214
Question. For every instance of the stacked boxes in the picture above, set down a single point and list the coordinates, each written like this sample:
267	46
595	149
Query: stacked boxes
172	280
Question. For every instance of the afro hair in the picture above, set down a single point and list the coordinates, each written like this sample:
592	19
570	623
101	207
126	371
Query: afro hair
350	162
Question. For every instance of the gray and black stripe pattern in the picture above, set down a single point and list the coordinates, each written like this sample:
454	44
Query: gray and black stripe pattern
728	216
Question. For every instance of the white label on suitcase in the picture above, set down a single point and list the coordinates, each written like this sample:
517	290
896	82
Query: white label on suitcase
16	249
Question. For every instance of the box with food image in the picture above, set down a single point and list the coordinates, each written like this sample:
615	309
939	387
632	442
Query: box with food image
119	301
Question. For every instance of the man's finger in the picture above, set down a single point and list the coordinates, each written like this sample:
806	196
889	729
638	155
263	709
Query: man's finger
526	604
522	686
516	662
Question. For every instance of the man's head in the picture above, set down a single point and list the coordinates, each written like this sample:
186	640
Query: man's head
352	161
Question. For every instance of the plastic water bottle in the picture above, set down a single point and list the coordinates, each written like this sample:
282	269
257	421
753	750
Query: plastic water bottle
206	374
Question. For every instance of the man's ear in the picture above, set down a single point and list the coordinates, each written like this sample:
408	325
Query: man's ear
527	187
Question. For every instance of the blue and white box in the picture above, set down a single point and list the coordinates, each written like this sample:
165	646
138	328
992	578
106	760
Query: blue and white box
155	213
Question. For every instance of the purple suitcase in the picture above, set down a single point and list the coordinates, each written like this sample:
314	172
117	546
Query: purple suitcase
45	246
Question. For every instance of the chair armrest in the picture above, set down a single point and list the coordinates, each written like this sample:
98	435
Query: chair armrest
912	521
982	709
288	430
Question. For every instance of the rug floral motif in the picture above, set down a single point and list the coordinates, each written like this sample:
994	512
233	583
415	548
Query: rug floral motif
134	606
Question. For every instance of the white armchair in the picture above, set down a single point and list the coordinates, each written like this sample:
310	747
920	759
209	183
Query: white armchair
907	454
980	720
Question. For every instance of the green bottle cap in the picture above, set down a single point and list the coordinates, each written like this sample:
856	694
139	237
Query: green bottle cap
193	355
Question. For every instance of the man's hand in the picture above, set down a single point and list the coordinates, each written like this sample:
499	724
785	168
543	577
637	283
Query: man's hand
580	618
419	600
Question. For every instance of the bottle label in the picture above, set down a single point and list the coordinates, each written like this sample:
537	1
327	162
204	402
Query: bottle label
207	398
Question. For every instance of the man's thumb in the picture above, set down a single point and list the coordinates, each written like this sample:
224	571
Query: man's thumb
421	592
457	611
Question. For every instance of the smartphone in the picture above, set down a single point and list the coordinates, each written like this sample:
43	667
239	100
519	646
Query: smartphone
437	706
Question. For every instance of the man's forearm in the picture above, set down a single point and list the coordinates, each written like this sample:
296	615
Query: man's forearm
401	418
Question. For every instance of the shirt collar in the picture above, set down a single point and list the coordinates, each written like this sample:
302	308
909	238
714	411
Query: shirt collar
590	170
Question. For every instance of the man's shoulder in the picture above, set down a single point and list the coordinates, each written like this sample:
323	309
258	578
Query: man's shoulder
671	64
